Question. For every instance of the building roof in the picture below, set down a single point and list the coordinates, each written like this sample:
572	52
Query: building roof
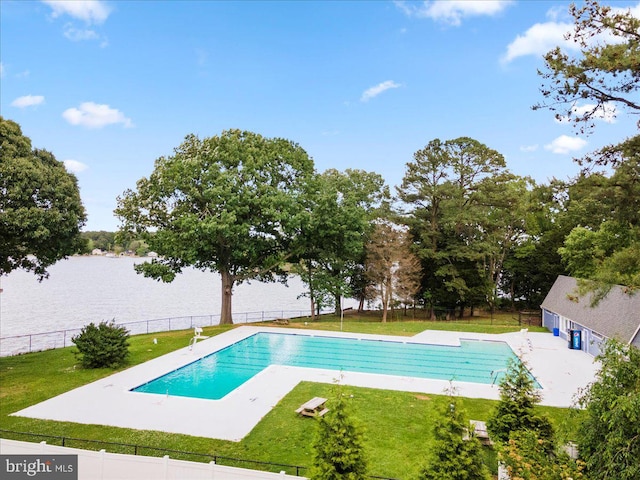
616	316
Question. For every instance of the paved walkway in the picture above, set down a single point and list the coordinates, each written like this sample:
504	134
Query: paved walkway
101	465
109	401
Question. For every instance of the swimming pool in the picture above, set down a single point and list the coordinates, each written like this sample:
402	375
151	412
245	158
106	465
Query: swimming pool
214	376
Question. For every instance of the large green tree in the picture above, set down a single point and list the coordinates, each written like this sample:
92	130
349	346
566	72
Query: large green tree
609	431
533	262
604	245
604	75
464	211
602	80
231	204
41	212
339	210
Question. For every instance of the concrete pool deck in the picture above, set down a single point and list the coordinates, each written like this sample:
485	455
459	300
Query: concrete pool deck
560	371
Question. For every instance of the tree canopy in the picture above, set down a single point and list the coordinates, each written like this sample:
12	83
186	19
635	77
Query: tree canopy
605	74
609	431
340	207
464	211
41	212
231	204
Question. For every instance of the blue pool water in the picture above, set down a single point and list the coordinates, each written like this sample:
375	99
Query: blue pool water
214	376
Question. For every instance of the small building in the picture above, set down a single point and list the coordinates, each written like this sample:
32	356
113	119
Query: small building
616	316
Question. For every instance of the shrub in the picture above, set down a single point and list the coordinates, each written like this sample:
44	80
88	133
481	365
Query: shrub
524	456
104	345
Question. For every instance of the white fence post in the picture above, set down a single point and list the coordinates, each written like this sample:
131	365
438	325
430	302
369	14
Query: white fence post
166	466
102	453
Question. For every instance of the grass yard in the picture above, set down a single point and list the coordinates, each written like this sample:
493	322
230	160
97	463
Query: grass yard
397	424
369	322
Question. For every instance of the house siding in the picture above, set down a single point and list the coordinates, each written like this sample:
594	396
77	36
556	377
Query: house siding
549	320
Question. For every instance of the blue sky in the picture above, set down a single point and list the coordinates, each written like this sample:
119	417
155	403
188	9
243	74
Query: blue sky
109	86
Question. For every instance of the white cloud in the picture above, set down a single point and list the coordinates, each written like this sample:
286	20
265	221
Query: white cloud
93	115
378	89
543	37
1	70
538	40
607	112
78	35
565	144
27	101
529	148
90	11
453	11
74	166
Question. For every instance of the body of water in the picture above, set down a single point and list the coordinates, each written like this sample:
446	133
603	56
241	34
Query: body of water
81	290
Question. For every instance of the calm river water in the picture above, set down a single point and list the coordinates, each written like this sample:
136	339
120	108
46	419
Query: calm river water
81	290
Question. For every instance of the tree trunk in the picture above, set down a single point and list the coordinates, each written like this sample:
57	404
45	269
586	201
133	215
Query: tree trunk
361	305
338	306
311	294
227	292
384	295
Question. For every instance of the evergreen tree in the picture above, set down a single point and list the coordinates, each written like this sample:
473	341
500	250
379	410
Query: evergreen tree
339	452
454	457
515	411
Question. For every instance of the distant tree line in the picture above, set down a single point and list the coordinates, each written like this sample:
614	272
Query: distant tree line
111	242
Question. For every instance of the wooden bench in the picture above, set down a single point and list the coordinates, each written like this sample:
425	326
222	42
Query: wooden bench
313	408
480	431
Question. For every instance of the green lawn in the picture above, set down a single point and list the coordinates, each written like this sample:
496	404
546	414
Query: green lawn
397	424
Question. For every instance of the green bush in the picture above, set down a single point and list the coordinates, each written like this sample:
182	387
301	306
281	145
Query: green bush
104	345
